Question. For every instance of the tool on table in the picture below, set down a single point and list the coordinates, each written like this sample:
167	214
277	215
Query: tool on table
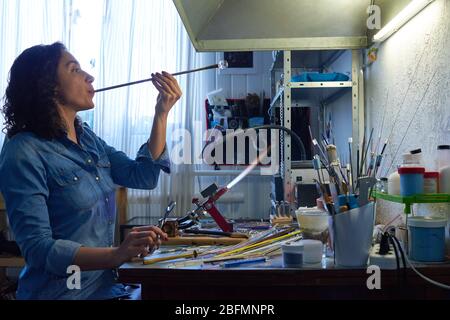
169	209
216	233
192	254
281	213
221	65
238	263
211	195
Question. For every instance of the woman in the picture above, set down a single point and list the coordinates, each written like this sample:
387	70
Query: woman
58	178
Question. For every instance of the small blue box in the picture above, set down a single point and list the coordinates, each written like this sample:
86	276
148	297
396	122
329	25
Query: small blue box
255	122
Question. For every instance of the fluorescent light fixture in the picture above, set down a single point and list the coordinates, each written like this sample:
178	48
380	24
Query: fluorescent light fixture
413	8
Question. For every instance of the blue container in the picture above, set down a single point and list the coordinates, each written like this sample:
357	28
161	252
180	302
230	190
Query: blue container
320	77
411	180
303	77
427	239
327	77
255	122
292	254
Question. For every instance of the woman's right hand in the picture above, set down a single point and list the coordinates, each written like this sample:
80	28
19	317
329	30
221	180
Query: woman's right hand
139	241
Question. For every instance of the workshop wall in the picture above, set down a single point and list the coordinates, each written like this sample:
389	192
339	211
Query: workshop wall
237	86
422	44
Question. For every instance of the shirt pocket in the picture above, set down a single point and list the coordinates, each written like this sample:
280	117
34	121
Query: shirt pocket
74	187
103	162
104	168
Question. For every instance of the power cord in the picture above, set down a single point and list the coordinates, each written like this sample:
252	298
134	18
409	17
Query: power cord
406	260
297	139
396	245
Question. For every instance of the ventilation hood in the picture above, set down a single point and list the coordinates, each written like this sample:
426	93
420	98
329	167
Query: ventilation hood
248	25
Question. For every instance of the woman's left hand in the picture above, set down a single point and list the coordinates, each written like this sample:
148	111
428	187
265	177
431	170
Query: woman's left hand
169	91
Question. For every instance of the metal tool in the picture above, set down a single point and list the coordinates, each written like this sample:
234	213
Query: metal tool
209	206
221	65
243	261
169	209
214	193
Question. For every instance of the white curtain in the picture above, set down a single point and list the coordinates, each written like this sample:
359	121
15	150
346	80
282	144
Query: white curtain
24	23
119	41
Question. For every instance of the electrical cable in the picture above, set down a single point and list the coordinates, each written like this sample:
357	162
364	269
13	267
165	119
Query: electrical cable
433	282
402	254
289	131
401	250
397	259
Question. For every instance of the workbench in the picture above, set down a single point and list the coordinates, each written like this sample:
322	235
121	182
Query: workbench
270	280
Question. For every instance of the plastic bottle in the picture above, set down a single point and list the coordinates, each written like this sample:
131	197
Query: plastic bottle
444	180
416	157
409	160
431	182
394	183
444	168
382	185
443	162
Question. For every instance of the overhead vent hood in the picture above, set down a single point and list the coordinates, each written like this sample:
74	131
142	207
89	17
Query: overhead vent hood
248	25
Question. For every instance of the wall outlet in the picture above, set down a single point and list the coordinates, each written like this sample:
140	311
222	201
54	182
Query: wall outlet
448	123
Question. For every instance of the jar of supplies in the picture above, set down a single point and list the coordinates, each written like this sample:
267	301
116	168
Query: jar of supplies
411	180
426	239
292	255
431	182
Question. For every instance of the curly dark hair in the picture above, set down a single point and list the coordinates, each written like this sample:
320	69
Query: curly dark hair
30	96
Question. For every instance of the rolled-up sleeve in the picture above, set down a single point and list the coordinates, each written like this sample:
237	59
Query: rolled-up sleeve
24	187
163	161
141	173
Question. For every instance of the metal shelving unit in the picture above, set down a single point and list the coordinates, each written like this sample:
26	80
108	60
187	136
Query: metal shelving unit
290	96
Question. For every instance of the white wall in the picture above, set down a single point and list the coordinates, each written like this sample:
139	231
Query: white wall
422	44
237	86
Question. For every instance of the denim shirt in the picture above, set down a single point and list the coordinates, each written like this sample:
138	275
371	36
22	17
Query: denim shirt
60	196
